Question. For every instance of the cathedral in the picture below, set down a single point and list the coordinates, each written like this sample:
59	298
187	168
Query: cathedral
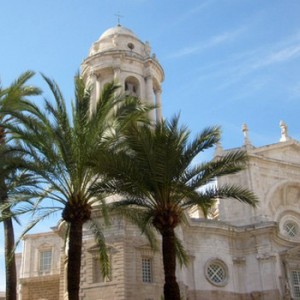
239	253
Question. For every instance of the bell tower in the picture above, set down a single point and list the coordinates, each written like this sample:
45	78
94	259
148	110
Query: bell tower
121	56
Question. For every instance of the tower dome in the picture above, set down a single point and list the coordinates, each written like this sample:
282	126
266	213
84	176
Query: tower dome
121	56
117	38
119	30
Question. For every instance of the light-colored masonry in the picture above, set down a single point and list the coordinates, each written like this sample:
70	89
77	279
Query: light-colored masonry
240	253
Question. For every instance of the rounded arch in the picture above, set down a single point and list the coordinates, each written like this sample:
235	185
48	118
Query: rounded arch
132	86
283	196
156	85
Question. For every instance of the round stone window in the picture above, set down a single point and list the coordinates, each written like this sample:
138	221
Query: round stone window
291	229
216	272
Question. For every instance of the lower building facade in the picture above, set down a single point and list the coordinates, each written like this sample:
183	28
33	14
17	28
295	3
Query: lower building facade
240	253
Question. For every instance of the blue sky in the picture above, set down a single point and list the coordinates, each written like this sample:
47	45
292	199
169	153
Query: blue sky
226	62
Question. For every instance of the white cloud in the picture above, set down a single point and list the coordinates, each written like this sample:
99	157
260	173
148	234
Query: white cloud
195	10
236	67
168	28
282	55
212	42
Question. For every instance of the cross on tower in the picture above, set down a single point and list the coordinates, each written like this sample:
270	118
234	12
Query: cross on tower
119	16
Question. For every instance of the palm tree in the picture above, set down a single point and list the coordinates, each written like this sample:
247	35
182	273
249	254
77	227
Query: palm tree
12	181
157	173
59	149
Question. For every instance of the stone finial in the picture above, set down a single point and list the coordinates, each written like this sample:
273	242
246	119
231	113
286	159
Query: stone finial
246	135
284	132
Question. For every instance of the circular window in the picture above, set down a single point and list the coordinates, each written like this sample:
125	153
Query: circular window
130	46
291	229
216	272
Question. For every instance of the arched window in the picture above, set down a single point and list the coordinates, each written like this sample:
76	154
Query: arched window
132	87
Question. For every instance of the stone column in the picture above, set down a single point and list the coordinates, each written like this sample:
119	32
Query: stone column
117	72
150	95
159	105
93	83
98	88
239	264
267	271
94	92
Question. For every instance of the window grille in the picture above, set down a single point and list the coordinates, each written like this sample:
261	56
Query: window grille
216	272
296	283
45	261
147	270
291	229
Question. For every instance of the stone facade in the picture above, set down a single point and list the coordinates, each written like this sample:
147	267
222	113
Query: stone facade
240	253
40	279
42	287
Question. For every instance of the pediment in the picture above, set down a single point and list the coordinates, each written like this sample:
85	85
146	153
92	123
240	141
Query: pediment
284	151
45	245
95	248
142	246
145	249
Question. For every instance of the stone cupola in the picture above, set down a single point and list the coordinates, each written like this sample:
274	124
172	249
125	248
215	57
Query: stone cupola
121	56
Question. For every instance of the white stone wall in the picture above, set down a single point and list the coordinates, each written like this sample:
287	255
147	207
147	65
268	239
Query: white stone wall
266	175
35	243
258	256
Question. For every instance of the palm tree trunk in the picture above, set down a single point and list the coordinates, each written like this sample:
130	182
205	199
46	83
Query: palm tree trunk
74	259
10	264
9	245
171	287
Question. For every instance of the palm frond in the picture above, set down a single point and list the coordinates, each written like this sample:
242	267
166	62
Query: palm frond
103	252
34	222
17	92
206	198
141	218
181	253
204	173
